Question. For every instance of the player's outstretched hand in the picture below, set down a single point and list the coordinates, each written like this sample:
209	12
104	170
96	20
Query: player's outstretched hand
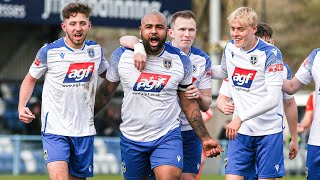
140	56
25	115
233	127
212	148
140	61
293	149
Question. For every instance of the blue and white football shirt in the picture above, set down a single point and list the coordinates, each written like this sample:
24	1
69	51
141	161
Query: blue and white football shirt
150	106
69	88
201	71
249	73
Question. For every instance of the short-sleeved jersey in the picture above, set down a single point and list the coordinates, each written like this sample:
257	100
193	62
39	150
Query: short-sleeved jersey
150	105
310	69
249	73
69	87
201	72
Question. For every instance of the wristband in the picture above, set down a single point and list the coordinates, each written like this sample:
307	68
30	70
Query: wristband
139	48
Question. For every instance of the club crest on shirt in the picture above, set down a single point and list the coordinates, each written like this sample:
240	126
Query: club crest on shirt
254	59
194	68
243	78
91	52
167	63
149	82
79	72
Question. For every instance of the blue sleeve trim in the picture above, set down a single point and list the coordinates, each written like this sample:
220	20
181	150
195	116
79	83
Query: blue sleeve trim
312	56
289	73
115	57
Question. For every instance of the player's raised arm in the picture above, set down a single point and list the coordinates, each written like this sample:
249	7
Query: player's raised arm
291	86
128	41
140	55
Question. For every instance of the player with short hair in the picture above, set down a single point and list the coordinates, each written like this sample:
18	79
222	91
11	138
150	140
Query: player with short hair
150	134
290	107
183	32
309	70
71	66
255	69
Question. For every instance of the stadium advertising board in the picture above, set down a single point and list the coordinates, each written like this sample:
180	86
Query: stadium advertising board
112	13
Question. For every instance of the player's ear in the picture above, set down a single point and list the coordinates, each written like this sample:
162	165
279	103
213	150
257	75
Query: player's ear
63	27
170	33
90	24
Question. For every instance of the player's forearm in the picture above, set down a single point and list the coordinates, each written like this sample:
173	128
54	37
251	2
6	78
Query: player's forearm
204	103
104	93
263	106
192	112
291	86
218	72
307	119
128	41
205	100
291	112
221	101
26	90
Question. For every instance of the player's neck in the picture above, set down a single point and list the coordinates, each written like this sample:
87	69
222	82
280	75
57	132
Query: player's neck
185	50
154	53
251	44
71	45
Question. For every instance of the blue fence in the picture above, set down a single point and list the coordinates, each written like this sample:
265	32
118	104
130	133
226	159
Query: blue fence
23	154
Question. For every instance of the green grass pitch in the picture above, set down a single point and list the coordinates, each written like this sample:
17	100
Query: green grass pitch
116	177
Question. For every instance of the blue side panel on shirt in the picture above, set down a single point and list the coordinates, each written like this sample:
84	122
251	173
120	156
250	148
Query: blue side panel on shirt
199	52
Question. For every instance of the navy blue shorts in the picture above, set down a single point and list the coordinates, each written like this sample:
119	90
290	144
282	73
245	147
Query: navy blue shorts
139	158
251	155
192	150
76	151
313	162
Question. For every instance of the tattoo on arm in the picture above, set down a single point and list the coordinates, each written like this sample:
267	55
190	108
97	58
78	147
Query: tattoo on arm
197	124
105	92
